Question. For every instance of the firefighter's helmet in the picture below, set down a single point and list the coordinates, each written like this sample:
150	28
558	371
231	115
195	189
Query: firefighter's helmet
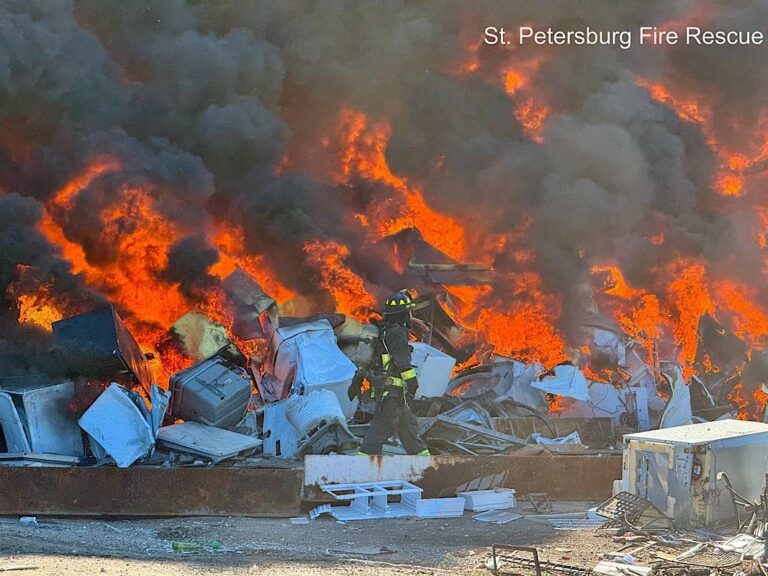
399	302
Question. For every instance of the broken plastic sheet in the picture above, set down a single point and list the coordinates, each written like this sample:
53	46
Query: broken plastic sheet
118	426
678	410
567	381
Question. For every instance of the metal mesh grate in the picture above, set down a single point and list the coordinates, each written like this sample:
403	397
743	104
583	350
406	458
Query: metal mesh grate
624	506
708	556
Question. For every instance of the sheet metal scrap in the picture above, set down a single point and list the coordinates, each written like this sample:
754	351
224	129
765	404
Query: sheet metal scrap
497	516
468	428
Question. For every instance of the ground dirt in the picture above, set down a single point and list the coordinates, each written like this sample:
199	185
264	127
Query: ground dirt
275	546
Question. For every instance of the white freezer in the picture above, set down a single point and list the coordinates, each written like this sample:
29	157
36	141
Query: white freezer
676	468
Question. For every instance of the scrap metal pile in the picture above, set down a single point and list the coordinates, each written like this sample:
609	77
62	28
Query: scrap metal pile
693	500
277	386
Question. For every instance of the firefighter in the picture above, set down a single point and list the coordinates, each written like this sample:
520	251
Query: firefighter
393	381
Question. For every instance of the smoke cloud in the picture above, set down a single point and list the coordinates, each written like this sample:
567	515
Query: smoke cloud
225	114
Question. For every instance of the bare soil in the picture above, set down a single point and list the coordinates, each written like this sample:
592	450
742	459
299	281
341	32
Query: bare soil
275	546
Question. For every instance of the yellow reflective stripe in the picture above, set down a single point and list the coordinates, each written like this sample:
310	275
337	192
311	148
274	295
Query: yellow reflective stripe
408	374
385	358
395	381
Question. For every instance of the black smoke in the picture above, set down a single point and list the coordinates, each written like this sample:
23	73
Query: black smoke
202	102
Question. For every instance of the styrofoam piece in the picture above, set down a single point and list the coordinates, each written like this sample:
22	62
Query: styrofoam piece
119	427
209	441
15	438
440	508
433	369
299	520
322	509
497	516
496	499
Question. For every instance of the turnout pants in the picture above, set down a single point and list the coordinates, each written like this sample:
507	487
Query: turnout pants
393	415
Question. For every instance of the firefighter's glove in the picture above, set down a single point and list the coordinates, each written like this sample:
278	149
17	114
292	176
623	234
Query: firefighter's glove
354	387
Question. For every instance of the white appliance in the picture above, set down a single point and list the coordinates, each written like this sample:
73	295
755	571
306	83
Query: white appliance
433	369
677	468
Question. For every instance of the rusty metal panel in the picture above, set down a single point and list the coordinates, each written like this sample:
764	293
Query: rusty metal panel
150	492
564	477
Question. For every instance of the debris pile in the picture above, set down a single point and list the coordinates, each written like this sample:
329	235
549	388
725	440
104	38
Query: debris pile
283	381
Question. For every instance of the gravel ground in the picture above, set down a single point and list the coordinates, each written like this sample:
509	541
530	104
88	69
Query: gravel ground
251	545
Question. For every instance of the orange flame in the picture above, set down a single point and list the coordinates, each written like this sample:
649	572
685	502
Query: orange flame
690	300
346	287
364	154
750	321
37	309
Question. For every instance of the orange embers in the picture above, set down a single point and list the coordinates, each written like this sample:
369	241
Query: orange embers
346	287
689	109
558	404
364	145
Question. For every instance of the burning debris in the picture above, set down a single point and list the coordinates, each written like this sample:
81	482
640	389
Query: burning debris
284	381
195	242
